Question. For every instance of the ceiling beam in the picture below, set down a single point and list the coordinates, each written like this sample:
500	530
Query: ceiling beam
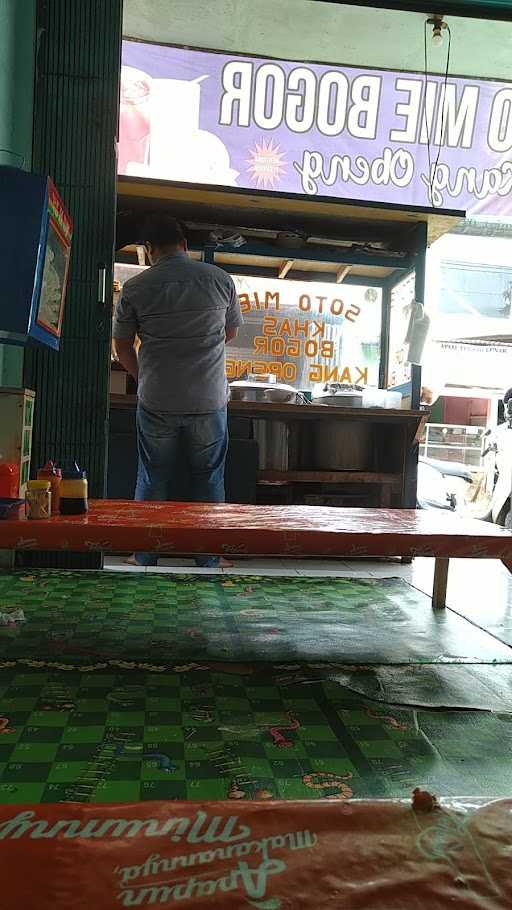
342	273
285	268
352	256
318	255
469	9
306	215
253	271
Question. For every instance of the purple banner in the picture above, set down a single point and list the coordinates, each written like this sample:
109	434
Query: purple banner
344	132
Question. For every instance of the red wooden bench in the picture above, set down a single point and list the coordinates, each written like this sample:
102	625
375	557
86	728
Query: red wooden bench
308	854
246	530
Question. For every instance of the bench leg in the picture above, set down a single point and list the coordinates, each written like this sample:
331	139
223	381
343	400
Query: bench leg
440	583
7	560
508	564
385	496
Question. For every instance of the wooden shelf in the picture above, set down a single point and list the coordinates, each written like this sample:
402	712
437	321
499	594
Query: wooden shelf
262	409
352	477
272	410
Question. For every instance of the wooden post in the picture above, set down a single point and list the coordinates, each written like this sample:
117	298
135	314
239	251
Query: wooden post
440	583
385	496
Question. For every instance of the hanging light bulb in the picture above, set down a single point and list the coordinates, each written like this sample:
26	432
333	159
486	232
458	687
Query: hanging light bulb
437	30
437	37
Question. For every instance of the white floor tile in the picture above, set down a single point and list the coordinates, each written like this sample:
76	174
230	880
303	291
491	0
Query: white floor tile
183	570
176	561
260	562
122	567
392	572
317	564
342	572
260	570
371	565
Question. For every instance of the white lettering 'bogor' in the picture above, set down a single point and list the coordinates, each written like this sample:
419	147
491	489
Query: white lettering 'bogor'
269	95
203	828
301	103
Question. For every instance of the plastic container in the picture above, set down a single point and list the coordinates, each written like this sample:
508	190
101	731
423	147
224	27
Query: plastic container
337	394
74	492
419	326
53	475
381	398
393	400
9	480
11	509
38	499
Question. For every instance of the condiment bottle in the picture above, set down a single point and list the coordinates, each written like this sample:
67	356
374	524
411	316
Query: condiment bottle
38	499
54	475
73	492
9	480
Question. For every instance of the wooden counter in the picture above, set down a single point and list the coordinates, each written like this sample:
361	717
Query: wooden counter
413	419
391	481
255	409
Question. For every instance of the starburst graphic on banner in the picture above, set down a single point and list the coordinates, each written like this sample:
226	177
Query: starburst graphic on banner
267	164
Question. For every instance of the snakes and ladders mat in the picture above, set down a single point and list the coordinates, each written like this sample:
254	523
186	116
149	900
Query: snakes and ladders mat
91	618
286	856
237	733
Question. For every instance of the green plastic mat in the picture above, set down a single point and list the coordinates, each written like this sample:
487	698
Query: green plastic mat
210	734
439	685
87	618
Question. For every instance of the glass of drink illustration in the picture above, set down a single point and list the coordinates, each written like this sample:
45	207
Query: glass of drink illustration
180	150
134	117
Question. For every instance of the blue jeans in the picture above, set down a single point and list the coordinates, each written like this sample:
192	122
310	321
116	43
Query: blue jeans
202	438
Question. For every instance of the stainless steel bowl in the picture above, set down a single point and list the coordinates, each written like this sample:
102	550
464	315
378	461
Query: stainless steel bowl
241	390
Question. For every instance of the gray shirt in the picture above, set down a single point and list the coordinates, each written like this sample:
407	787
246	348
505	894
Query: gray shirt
180	309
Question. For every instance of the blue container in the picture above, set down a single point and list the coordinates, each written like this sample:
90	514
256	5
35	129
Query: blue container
9	508
35	243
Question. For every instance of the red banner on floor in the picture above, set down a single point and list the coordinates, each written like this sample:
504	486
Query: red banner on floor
373	855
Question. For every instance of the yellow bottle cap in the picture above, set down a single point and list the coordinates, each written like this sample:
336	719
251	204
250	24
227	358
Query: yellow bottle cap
39	485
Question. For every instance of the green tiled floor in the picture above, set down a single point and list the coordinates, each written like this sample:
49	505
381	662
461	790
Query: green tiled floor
262	741
96	618
121	688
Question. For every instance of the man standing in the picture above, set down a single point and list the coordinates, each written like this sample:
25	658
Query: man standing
183	313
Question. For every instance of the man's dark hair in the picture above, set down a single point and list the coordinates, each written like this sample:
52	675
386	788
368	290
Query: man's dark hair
163	231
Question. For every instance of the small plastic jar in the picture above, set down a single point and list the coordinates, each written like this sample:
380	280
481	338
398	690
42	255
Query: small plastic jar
38	499
54	475
73	492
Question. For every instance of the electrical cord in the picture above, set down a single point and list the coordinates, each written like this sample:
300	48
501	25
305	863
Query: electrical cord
432	172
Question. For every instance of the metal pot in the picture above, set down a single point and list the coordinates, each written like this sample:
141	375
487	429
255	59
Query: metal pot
243	390
272	437
343	446
339	394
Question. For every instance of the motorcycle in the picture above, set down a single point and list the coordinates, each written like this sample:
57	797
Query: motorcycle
436	483
498	442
